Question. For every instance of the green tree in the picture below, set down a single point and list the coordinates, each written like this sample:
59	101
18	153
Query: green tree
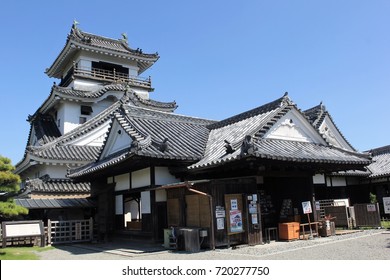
9	187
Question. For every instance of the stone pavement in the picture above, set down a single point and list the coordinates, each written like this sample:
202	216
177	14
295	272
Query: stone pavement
348	246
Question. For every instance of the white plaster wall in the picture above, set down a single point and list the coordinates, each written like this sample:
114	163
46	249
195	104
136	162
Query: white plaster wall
142	93
61	117
145	202
121	140
161	195
140	178
84	85
336	182
122	182
319	179
163	177
72	116
55	171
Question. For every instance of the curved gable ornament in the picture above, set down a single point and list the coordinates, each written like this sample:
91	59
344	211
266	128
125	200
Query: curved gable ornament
288	130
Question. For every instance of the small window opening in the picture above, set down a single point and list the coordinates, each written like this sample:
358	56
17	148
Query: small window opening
86	110
82	120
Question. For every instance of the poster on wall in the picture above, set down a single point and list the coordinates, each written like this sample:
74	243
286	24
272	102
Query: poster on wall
235	221
386	205
306	205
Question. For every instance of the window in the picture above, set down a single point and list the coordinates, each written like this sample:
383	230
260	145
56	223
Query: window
82	120
86	110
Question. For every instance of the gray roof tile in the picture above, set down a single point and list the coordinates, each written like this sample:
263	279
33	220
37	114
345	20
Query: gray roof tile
52	203
380	166
49	185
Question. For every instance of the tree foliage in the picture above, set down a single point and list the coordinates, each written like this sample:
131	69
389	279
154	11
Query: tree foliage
9	187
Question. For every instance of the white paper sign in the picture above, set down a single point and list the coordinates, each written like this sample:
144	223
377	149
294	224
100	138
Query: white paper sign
306	205
234	204
386	205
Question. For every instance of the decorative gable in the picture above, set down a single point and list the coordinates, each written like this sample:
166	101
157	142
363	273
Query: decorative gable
294	127
117	140
93	138
332	134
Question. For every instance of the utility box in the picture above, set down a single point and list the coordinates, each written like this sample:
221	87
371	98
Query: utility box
190	237
289	231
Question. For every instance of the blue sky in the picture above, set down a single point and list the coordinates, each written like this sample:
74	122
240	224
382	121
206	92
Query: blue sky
218	58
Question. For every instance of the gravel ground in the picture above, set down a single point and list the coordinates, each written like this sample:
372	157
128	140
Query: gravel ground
363	245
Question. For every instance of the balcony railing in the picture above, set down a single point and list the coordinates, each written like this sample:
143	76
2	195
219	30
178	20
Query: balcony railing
107	76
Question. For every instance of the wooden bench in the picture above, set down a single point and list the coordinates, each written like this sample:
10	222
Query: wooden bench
313	230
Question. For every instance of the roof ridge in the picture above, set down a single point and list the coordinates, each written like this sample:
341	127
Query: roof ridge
256	111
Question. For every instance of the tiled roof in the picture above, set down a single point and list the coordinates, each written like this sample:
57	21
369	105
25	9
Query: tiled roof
233	130
52	203
158	134
291	151
256	123
118	45
49	185
317	115
45	129
65	92
380	166
65	152
283	102
79	40
61	149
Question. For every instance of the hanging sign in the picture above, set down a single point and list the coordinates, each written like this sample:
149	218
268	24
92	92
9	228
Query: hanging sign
306	205
235	221
386	205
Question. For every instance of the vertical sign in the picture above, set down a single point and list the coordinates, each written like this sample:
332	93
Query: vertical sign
386	205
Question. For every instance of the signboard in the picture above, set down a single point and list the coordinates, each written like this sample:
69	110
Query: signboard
306	205
23	229
371	208
20	230
252	208
386	205
220	212
220	223
235	221
255	219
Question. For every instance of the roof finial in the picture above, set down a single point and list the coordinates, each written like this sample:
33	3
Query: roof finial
124	37
285	94
75	23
